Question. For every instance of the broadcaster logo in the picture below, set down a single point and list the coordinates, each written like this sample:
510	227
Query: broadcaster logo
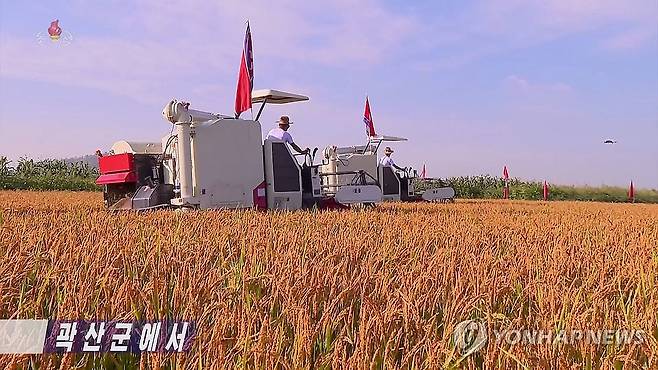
469	336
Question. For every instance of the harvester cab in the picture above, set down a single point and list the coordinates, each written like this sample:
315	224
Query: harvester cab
211	161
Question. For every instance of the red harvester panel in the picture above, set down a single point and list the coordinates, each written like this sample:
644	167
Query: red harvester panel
260	197
118	177
116	163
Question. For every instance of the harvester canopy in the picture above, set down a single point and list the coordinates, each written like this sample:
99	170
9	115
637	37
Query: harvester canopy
270	96
387	138
275	97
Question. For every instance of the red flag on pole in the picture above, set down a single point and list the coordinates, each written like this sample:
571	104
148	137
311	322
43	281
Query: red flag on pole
367	119
506	188
546	191
422	173
245	77
631	193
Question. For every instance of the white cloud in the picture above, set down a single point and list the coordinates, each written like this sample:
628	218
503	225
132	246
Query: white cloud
631	39
496	26
528	98
139	70
522	85
154	49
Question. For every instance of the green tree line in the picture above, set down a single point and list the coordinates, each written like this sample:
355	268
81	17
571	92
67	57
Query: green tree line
55	174
47	174
491	187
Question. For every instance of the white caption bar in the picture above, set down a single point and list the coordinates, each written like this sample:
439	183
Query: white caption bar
22	336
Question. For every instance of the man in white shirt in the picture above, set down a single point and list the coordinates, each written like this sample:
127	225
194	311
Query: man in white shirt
281	133
387	161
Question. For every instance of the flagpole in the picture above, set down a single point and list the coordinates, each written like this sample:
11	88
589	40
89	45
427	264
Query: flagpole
252	77
367	132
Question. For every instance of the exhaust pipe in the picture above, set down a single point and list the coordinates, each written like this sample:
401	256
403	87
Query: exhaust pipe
185	160
177	113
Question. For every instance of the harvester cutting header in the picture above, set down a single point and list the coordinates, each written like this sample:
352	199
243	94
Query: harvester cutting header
215	161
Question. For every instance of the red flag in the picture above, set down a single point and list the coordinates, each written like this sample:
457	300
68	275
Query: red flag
506	188
546	191
245	77
631	193
422	173
367	119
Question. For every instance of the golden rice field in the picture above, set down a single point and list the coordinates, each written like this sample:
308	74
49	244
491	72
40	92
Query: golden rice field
377	288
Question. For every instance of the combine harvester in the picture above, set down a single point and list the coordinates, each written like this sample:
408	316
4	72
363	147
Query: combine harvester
212	161
340	163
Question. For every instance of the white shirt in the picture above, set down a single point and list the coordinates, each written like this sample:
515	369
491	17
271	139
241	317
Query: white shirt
386	161
278	133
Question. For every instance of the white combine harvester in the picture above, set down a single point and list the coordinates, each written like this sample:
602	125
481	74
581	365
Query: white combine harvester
213	161
341	163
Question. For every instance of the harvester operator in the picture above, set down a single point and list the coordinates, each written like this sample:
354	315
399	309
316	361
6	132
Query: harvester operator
281	133
387	161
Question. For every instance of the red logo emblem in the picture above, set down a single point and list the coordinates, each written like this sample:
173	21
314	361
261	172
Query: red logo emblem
54	30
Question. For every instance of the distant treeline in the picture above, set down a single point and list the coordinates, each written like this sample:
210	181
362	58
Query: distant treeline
54	174
47	174
490	187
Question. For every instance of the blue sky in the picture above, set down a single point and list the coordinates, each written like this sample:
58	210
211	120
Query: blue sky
474	85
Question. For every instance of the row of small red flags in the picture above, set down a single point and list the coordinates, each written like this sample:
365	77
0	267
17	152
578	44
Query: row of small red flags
546	191
546	188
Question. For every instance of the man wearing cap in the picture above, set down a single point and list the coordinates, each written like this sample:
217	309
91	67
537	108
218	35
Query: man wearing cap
281	133
387	161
